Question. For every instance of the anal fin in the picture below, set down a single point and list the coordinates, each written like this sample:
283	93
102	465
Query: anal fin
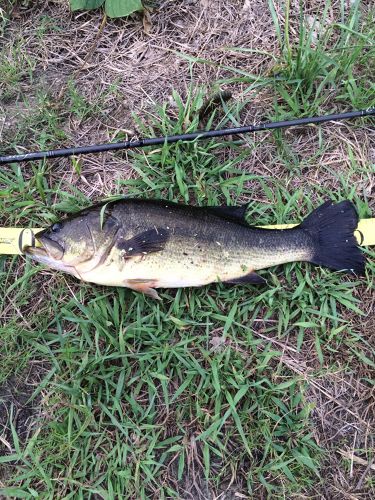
235	213
251	278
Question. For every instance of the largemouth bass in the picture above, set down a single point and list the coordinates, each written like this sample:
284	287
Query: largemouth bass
149	244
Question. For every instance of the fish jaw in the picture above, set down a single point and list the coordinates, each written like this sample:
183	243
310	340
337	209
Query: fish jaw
39	254
53	249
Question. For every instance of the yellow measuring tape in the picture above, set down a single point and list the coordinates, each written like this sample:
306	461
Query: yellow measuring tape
14	239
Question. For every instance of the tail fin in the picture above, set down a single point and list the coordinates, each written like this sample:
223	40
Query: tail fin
332	229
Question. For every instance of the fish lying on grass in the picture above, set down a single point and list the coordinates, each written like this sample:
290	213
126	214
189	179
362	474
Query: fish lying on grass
148	244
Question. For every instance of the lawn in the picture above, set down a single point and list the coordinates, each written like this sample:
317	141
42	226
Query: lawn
217	392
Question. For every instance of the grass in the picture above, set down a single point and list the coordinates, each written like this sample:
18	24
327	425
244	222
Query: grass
209	390
114	401
328	66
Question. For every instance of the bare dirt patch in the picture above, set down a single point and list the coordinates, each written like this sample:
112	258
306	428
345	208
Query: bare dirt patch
19	409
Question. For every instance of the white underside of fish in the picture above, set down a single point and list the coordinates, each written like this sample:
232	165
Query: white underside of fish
167	275
112	277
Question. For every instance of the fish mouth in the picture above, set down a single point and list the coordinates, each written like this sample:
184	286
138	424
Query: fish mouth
50	254
35	252
40	254
51	247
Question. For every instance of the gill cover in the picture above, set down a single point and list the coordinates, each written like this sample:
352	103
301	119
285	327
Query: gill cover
81	240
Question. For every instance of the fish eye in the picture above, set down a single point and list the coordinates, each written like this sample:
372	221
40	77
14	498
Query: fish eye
56	227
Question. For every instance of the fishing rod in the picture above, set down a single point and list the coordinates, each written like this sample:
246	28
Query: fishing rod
203	134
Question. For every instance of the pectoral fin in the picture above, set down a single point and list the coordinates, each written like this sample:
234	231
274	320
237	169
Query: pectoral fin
150	241
251	278
143	286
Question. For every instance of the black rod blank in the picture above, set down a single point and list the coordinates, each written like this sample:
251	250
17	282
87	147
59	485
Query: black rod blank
140	143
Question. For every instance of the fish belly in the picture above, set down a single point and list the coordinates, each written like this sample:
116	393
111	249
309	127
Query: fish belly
166	272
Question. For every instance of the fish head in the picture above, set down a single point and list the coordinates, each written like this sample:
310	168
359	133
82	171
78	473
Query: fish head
77	243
